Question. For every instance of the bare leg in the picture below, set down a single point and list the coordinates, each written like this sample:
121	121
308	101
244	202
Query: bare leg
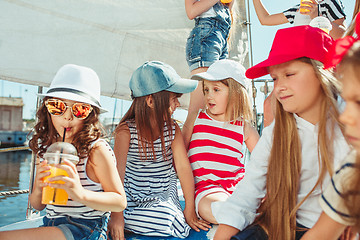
197	102
204	207
41	233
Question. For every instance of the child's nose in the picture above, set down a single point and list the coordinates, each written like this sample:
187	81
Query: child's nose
279	85
177	103
346	116
68	114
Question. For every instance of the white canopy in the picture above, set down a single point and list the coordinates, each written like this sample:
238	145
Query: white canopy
113	37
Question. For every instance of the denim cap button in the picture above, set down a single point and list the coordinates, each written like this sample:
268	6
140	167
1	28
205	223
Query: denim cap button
156	76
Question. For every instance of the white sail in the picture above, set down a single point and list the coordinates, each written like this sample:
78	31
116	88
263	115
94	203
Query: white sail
113	37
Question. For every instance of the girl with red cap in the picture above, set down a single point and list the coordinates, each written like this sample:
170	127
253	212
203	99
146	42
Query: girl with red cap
294	158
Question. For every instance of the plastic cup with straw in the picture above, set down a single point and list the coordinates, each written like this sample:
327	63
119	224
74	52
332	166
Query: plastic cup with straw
55	155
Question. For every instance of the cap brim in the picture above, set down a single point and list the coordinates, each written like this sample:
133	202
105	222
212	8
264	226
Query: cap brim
208	76
72	97
261	69
183	86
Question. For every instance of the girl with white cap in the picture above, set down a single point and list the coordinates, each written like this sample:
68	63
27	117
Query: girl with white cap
215	136
295	156
70	113
149	148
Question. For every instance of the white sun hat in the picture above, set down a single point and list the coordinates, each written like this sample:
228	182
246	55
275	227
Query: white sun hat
76	83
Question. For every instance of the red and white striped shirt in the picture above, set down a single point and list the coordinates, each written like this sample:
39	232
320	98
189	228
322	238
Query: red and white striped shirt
215	153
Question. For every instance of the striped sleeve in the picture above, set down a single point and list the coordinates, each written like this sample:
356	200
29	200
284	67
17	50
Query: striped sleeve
332	201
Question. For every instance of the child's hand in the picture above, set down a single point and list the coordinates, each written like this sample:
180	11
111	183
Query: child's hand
116	226
194	222
42	170
311	9
72	184
348	234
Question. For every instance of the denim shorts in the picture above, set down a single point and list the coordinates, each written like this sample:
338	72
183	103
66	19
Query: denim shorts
78	228
207	42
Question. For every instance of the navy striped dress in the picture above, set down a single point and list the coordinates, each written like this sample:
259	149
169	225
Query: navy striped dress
151	190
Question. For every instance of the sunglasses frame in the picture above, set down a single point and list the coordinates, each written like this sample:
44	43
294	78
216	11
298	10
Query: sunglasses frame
66	107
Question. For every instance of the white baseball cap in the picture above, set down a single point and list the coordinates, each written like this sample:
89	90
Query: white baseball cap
224	69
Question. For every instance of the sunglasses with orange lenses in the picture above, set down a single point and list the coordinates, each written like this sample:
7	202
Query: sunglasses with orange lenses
57	107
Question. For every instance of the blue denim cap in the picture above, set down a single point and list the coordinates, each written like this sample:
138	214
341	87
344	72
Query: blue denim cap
156	76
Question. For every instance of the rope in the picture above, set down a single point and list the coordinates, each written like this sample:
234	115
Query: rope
13	149
14	192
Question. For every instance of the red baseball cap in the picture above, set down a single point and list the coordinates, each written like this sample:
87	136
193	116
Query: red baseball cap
292	43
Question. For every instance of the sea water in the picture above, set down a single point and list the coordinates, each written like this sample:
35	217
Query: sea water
14	175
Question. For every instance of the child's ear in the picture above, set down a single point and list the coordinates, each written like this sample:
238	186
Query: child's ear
150	101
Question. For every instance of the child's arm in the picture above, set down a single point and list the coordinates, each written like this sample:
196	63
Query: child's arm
325	228
35	196
194	7
186	178
188	127
121	148
197	102
100	168
251	136
338	28
265	17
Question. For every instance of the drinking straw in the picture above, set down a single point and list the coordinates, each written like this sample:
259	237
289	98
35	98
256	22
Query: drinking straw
61	151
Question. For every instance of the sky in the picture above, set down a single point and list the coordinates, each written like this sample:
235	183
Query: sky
262	37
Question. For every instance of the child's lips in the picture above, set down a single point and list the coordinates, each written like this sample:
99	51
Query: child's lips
285	97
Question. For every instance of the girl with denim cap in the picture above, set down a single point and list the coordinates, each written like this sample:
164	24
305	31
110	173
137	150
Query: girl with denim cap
216	134
294	158
341	199
70	112
151	155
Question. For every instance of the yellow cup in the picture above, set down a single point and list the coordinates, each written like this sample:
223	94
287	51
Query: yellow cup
56	154
226	1
303	3
51	195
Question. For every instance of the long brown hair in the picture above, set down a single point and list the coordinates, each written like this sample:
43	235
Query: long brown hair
142	114
351	185
278	210
44	132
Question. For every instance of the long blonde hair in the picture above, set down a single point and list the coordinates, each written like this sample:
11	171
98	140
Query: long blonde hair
278	210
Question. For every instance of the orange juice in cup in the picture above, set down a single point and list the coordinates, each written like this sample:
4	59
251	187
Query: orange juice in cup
55	154
226	1
304	3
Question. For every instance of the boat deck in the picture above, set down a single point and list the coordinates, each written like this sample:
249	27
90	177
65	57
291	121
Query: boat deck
202	235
